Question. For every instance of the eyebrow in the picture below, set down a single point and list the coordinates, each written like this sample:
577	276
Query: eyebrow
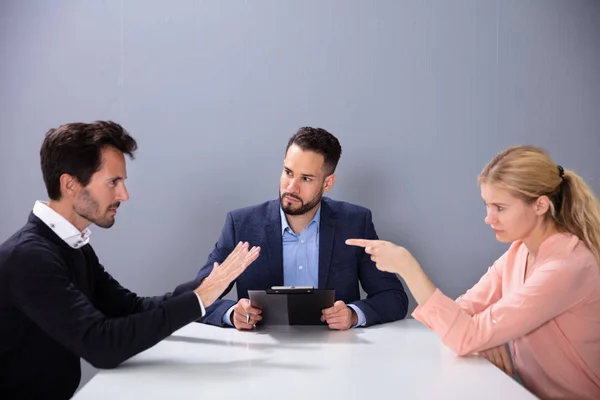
495	204
115	178
306	175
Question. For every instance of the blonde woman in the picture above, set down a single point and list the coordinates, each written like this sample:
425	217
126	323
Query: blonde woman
542	297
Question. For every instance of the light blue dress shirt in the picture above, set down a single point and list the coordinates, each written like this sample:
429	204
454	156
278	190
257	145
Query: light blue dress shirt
301	260
301	253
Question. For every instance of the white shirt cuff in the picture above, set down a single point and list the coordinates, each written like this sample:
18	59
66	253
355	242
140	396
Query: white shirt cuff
201	305
227	316
362	320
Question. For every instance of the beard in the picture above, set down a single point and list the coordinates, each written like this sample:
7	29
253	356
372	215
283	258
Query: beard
304	207
89	208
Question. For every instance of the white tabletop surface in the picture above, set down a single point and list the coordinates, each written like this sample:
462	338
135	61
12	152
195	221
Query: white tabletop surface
402	360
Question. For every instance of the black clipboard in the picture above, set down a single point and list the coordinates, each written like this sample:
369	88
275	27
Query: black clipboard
292	305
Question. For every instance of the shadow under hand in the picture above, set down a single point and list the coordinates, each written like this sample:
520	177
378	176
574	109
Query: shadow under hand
224	365
285	334
230	343
214	369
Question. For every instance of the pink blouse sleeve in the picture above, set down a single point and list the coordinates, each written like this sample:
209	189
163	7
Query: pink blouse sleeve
551	289
485	292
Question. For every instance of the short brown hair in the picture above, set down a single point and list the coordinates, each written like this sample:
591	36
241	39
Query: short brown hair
75	149
319	141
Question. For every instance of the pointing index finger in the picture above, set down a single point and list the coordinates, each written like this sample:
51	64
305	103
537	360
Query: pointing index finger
361	242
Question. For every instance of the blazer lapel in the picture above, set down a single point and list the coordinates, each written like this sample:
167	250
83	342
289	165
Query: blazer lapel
274	243
326	236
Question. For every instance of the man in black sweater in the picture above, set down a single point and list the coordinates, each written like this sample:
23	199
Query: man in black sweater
57	303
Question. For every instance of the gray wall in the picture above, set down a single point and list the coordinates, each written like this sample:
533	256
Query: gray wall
421	95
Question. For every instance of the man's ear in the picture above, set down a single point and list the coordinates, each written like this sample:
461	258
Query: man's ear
329	182
69	185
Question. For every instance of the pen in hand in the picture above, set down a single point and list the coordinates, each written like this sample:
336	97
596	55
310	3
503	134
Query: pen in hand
244	309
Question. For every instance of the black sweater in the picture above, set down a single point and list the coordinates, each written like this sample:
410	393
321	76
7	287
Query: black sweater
58	304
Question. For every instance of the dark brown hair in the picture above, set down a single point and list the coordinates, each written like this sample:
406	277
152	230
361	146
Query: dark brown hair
75	149
319	141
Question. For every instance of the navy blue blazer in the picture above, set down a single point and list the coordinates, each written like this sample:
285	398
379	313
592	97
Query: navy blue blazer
341	267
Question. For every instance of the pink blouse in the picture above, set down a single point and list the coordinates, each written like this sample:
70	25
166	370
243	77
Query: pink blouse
550	318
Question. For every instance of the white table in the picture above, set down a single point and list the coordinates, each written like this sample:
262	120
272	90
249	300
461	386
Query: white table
401	360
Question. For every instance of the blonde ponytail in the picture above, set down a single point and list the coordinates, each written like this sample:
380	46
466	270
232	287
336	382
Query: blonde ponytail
579	211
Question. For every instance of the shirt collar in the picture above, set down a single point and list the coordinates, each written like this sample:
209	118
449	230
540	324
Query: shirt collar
59	224
284	224
557	245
